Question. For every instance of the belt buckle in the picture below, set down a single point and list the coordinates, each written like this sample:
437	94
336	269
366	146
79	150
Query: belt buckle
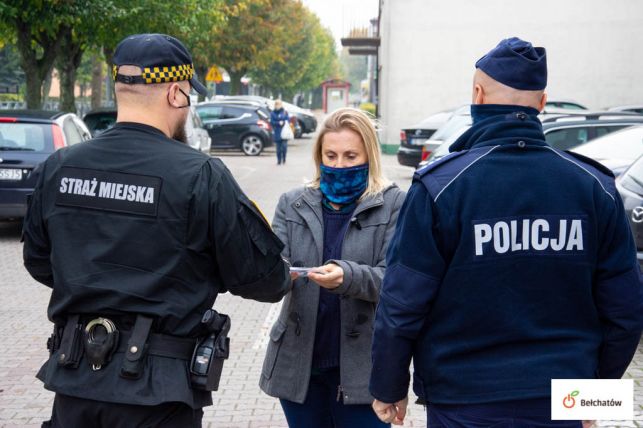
109	327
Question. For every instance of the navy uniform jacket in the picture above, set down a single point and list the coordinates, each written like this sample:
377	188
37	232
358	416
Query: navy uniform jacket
512	264
133	222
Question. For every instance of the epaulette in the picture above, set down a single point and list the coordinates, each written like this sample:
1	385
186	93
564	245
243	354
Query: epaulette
599	166
435	165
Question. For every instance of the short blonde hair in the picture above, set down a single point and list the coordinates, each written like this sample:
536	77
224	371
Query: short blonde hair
359	122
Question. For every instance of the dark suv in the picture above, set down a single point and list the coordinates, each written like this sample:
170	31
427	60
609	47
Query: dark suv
27	138
236	126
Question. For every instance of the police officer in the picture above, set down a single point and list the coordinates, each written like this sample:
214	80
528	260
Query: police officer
512	264
137	233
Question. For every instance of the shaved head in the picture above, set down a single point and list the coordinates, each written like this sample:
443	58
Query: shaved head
138	94
486	90
161	105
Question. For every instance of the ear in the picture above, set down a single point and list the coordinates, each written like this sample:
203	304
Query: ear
478	94
543	101
173	95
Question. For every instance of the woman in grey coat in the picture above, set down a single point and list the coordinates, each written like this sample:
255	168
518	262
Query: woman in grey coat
318	360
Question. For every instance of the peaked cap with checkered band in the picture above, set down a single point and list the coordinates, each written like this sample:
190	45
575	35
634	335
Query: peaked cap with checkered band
162	59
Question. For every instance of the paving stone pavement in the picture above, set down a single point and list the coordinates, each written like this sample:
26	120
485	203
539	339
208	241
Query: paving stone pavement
239	403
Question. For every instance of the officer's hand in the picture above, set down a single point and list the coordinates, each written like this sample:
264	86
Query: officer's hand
294	276
391	413
330	276
588	424
281	123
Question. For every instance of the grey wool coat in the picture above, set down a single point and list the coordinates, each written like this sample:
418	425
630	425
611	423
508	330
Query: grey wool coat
299	223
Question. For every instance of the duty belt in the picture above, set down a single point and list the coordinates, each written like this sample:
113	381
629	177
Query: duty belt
99	339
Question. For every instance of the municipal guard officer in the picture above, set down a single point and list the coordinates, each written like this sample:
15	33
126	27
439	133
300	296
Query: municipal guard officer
137	233
512	264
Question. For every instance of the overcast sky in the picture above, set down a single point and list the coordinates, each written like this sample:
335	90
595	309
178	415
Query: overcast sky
342	15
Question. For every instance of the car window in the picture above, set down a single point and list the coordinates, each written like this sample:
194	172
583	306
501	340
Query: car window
100	122
31	137
625	144
263	114
570	106
604	130
210	112
230	112
566	138
72	135
453	125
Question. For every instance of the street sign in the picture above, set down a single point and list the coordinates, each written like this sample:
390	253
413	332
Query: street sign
214	75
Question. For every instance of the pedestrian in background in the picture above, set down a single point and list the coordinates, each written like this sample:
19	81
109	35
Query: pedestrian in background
512	264
318	359
278	119
136	233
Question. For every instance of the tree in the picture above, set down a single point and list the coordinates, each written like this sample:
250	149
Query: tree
249	40
309	56
38	40
10	72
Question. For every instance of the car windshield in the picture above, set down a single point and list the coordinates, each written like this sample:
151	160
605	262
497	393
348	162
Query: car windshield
625	144
27	137
453	125
100	122
443	149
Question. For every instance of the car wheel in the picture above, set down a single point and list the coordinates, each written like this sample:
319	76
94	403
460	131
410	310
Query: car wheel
252	145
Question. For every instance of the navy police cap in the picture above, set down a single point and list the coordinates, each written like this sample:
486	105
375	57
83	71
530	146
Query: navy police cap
516	63
162	59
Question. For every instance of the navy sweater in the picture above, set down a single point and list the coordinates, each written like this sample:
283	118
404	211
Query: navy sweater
326	348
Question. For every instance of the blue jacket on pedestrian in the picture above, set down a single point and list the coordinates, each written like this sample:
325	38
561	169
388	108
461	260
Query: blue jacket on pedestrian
512	264
278	118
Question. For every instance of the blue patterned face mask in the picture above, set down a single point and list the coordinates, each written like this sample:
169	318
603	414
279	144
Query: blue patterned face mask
343	185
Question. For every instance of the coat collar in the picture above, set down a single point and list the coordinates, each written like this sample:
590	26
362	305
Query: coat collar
309	207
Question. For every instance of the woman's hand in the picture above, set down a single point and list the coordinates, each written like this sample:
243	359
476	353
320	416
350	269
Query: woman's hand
328	276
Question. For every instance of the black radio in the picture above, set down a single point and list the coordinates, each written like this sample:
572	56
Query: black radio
210	352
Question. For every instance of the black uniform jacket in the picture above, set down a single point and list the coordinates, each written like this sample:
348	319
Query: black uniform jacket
133	222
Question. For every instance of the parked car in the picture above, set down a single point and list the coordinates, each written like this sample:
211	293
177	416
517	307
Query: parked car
564	105
100	120
637	108
304	119
630	187
562	133
617	150
565	135
27	138
236	126
197	137
419	141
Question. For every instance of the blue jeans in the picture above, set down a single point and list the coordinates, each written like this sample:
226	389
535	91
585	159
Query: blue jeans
322	410
534	413
282	147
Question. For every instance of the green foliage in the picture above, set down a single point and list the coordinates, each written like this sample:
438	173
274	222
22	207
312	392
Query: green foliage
308	52
368	108
279	43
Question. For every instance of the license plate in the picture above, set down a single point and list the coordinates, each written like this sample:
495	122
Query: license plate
418	141
10	174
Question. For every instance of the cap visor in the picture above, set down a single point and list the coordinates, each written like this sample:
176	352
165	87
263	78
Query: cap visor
198	86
